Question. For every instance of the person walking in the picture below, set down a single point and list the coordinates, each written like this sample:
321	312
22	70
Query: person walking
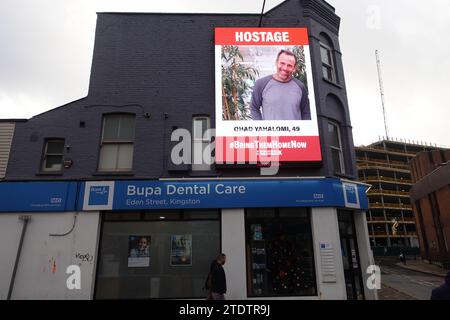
403	258
217	283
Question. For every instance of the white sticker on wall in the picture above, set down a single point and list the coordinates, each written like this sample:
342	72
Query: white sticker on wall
327	263
351	196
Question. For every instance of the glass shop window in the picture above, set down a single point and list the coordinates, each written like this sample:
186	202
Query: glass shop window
160	254
279	249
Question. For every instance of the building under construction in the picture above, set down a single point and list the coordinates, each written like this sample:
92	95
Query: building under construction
385	166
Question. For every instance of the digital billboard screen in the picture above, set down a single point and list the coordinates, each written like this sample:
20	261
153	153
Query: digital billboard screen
265	103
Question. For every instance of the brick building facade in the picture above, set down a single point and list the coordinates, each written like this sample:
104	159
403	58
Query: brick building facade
430	196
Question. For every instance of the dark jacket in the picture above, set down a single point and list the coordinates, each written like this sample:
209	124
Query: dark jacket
442	292
218	279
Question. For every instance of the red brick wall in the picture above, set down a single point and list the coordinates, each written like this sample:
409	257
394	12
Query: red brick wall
421	165
443	196
419	230
447	155
429	227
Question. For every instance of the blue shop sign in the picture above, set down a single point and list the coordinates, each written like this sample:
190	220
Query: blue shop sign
38	196
142	195
139	195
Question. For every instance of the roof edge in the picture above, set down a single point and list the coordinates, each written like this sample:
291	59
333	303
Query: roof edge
64	105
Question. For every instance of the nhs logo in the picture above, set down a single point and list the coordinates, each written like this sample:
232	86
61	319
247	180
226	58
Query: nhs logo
98	195
351	196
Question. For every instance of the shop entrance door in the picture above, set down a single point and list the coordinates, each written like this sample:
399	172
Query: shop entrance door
350	256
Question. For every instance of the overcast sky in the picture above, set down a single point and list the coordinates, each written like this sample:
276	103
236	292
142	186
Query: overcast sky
46	51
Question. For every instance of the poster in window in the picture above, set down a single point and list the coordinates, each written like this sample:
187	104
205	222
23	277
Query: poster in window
181	250
256	232
139	251
265	101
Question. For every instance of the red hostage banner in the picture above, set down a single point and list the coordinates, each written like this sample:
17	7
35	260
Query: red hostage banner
261	36
265	102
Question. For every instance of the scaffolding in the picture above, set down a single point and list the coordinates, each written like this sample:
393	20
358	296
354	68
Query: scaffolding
385	166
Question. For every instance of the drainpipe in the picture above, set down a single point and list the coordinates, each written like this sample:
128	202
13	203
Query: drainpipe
25	220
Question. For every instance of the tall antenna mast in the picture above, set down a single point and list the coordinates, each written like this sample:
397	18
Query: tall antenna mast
382	93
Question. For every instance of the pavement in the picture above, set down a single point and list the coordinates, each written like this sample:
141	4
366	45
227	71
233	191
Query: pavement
424	267
413	281
388	293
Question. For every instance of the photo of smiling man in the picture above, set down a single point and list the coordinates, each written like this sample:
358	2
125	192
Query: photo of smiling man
280	96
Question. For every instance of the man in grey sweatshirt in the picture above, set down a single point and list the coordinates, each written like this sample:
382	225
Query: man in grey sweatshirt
280	96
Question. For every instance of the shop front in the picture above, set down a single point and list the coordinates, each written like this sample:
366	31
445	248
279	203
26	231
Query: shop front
284	238
167	253
156	254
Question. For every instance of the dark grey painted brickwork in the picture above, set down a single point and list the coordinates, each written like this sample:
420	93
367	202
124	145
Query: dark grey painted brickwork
163	64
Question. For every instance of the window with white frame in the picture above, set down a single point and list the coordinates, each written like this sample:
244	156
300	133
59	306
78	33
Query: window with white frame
53	155
336	147
328	69
201	159
117	145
